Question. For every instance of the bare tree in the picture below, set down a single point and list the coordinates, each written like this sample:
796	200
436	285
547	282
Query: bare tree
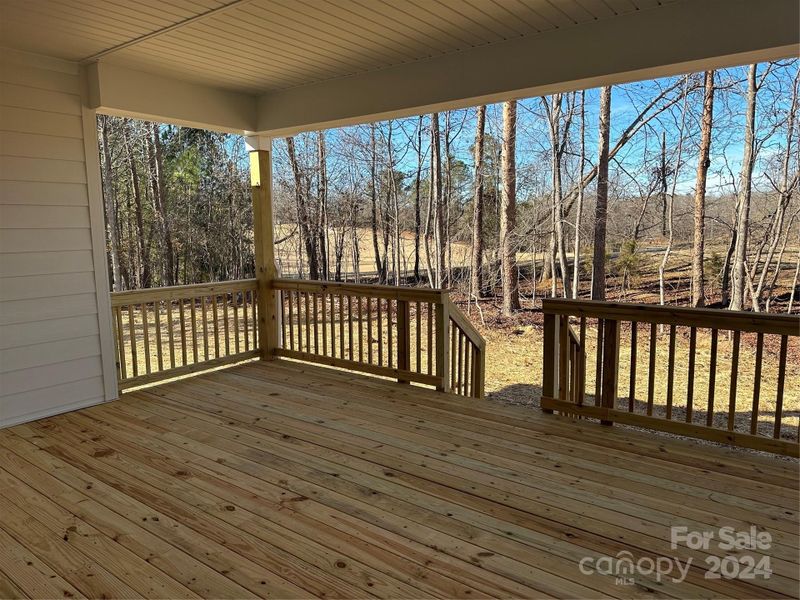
601	205
703	163
111	205
508	211
576	253
745	192
476	270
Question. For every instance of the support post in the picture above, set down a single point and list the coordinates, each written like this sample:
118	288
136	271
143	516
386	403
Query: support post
550	357
610	365
443	344
263	236
403	337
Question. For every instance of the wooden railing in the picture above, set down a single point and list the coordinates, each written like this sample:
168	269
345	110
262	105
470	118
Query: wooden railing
169	331
694	361
411	334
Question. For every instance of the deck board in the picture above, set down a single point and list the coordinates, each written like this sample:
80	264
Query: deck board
287	480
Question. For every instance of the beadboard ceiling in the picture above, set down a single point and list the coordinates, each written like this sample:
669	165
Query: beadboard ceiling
259	46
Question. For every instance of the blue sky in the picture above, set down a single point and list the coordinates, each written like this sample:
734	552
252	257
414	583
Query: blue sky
639	154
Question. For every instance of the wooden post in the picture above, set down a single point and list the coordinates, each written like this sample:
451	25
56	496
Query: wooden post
263	233
403	337
610	365
550	357
478	372
443	344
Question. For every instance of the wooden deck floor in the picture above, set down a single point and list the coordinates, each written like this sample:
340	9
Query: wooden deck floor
285	480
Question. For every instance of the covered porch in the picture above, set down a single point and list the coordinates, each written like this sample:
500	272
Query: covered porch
281	479
357	457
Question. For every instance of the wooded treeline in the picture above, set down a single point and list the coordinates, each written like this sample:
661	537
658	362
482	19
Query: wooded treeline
575	194
177	203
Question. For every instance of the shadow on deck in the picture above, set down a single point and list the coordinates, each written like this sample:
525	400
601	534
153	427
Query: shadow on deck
286	480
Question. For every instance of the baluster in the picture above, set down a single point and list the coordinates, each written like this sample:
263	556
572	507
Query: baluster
430	339
290	297
582	364
757	384
671	371
324	308
333	327
316	324
204	312
183	332
159	352
418	318
651	371
235	301
632	385
146	334
380	332
460	361
341	327
453	358
563	357
215	316
306	300
776	433
351	354
245	295
690	386
123	359
254	295
170	334
734	380
390	343
712	378
134	345
194	329
226	328
369	329
360	331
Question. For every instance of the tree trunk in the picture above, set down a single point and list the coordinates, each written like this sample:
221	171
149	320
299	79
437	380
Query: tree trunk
558	206
436	187
373	170
144	249
576	254
703	163
601	208
476	269
323	206
745	189
417	200
111	207
508	210
303	218
158	185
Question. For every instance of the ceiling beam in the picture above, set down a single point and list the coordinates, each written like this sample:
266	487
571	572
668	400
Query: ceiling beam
124	92
680	37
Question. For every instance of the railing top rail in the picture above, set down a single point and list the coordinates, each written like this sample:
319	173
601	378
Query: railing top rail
177	292
360	289
711	318
464	325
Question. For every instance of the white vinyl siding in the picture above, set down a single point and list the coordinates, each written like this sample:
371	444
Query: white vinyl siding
50	334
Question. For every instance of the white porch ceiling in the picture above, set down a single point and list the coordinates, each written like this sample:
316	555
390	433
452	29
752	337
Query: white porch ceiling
258	46
281	66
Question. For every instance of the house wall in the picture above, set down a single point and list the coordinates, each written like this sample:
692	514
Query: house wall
54	304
